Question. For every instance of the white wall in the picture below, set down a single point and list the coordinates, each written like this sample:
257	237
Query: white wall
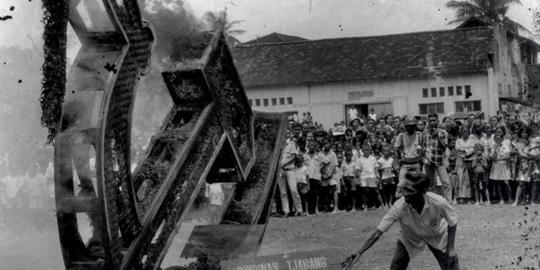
327	101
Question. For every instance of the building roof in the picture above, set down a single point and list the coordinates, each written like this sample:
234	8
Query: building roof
365	58
275	38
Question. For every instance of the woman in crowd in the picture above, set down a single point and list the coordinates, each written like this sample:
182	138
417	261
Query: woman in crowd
465	155
500	170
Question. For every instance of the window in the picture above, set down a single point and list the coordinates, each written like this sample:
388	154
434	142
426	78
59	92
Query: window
459	91
265	102
433	92
431	108
500	89
425	92
468	92
250	101
289	100
450	90
257	102
441	92
281	101
468	106
274	101
509	90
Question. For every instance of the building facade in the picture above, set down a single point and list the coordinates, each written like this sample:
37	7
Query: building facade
453	72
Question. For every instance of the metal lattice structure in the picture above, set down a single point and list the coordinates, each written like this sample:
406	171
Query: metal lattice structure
210	126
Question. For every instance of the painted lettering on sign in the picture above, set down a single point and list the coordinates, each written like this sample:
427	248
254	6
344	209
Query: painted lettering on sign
360	94
327	259
307	263
260	266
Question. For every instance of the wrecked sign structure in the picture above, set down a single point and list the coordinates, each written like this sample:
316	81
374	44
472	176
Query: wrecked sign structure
210	130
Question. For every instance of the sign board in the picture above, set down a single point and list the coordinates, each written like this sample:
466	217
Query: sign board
326	259
360	94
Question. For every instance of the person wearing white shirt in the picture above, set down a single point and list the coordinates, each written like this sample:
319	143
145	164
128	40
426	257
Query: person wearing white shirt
349	170
465	154
426	219
353	113
329	180
369	181
312	161
372	114
287	181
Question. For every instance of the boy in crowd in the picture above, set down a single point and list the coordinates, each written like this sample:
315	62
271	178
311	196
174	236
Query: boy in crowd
348	172
480	182
300	173
387	167
367	164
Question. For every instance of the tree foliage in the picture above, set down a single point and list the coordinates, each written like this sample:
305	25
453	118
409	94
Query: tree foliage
219	21
492	11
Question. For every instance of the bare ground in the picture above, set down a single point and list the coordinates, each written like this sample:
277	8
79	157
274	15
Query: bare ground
493	237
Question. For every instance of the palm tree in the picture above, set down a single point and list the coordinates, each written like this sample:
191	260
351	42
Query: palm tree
492	11
219	21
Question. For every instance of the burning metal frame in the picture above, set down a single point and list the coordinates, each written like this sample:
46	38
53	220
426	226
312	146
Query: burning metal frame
211	128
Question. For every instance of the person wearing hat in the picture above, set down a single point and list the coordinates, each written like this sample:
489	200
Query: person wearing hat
355	125
408	146
426	219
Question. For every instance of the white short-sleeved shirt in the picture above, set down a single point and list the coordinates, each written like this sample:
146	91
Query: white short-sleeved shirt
368	167
301	174
348	169
417	230
288	154
313	164
386	165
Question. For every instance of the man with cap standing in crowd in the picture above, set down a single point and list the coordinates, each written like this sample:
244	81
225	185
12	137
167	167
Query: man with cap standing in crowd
408	145
425	218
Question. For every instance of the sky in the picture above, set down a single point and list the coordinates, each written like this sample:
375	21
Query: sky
312	19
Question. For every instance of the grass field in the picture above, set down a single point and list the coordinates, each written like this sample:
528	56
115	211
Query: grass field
494	237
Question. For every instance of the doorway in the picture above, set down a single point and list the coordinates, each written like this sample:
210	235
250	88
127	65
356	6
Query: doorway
363	109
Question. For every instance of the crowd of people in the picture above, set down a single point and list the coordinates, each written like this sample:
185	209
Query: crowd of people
361	166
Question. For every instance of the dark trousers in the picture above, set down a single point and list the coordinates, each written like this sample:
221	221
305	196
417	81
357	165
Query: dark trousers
359	195
326	198
313	194
401	259
348	194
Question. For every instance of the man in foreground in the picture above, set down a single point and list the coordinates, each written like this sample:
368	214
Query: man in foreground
425	218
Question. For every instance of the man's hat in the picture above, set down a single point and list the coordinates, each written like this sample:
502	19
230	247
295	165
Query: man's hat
415	180
356	120
410	121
